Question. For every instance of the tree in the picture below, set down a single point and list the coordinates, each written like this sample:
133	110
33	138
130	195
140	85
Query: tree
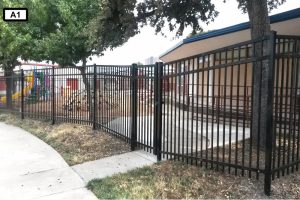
176	13
11	43
59	31
258	15
20	40
71	44
260	27
193	12
113	24
9	52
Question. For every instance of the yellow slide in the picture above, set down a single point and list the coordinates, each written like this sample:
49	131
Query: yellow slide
30	80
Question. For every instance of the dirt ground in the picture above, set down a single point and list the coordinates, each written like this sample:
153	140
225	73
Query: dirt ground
76	143
120	107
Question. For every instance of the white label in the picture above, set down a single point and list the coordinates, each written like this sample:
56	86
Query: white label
18	14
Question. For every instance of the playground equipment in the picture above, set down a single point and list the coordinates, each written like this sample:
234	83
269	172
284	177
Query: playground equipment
26	90
39	87
77	100
36	88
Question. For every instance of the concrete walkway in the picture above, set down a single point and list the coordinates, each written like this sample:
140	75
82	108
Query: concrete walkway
114	164
30	169
186	132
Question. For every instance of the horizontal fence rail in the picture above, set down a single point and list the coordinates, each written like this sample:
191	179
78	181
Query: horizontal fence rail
233	109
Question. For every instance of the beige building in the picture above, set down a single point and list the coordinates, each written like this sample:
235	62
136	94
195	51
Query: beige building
287	23
231	85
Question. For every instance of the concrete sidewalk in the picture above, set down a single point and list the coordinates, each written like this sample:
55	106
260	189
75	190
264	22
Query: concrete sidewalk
115	164
30	169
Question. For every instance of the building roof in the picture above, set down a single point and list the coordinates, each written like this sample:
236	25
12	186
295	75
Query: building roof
291	14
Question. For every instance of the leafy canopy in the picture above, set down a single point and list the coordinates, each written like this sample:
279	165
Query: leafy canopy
21	40
70	43
70	31
118	20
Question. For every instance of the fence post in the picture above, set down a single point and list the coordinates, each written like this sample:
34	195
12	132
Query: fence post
95	97
159	110
269	113
134	105
158	73
22	94
53	97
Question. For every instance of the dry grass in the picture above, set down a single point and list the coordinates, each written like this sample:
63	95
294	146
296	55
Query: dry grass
76	143
175	180
242	153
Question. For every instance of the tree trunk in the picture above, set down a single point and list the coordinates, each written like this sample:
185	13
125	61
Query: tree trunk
88	89
260	27
9	87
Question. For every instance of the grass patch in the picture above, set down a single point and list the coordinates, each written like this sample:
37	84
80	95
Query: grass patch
176	180
75	143
133	184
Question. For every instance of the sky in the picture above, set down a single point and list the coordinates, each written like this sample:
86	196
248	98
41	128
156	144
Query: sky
147	44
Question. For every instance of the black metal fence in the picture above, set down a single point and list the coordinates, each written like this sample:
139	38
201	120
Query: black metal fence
214	109
286	138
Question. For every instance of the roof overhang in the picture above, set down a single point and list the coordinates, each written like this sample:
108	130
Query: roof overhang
283	23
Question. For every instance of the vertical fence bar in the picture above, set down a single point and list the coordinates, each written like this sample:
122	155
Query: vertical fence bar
156	96
53	97
95	97
269	114
22	94
158	129
134	100
155	109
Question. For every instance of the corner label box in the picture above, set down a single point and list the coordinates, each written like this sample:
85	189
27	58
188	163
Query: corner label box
15	14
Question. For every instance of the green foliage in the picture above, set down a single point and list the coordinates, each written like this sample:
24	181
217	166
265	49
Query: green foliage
21	40
55	31
70	43
113	24
178	14
70	31
118	20
272	4
9	43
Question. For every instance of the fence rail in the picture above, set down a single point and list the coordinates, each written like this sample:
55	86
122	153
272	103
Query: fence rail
213	109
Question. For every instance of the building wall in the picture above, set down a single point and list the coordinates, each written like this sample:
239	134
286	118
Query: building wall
151	60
